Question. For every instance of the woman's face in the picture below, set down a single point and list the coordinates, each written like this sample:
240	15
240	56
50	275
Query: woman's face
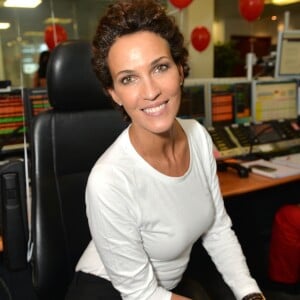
146	80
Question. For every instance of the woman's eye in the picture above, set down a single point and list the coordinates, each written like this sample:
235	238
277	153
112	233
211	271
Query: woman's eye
162	67
126	80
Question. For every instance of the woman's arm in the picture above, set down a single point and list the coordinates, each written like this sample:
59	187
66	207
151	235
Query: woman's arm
221	242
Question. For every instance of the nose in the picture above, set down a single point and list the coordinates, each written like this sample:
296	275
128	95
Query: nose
151	89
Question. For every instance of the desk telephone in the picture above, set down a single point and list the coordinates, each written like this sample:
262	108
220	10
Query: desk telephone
242	171
243	139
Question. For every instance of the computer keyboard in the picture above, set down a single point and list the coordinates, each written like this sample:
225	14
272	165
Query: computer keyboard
271	154
282	152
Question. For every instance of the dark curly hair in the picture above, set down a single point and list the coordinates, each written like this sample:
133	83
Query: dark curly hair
130	16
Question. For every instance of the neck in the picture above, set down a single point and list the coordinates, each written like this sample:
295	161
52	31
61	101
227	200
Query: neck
167	153
152	144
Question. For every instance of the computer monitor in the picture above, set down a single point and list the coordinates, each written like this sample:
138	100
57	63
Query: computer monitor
230	102
275	100
242	102
36	101
222	103
193	102
287	62
11	120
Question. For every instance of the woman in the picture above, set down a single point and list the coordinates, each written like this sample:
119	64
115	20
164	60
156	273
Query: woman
154	192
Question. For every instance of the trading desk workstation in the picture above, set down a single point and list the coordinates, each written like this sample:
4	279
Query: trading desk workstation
250	120
246	120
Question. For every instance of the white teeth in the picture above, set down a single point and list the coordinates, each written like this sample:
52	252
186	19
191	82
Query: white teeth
153	110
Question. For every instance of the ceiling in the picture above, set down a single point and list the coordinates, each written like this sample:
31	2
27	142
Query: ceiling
86	12
24	20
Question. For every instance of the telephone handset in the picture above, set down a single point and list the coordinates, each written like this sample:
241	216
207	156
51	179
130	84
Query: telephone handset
242	171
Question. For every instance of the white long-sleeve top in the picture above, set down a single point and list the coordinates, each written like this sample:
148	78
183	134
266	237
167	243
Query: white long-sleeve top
144	223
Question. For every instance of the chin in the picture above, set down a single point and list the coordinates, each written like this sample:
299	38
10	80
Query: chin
162	127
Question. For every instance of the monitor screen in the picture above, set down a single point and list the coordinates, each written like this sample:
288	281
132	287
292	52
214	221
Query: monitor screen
242	102
36	101
11	120
193	102
288	54
222	103
274	100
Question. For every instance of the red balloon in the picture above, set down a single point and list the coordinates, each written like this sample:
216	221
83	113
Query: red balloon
251	9
53	35
181	3
200	38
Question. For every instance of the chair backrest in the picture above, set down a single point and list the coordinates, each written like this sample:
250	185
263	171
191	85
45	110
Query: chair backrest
66	142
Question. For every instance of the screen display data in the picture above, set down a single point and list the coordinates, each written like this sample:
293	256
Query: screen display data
192	103
230	103
11	118
275	101
288	54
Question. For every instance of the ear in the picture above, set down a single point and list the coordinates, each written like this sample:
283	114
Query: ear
113	95
181	74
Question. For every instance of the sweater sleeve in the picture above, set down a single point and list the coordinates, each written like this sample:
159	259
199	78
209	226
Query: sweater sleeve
220	241
113	222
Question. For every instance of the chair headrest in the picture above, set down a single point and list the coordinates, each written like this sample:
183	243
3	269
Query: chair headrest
71	81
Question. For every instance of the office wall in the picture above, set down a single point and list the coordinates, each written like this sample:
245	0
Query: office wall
196	14
229	22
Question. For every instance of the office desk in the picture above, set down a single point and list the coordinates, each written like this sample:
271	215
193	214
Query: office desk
232	185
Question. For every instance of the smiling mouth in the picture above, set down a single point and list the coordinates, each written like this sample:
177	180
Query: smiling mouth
155	110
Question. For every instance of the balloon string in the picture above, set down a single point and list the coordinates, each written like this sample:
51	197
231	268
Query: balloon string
181	19
252	38
53	23
173	12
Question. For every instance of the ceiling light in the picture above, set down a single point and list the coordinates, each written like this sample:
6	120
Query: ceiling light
284	2
34	33
4	25
22	3
58	21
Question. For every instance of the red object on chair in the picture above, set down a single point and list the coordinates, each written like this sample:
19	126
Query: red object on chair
284	262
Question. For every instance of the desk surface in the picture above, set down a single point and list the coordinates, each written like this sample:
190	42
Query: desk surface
231	184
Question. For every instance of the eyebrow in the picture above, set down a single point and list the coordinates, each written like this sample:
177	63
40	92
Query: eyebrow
158	60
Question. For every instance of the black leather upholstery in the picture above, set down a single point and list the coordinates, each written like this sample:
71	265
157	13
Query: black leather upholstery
66	142
72	84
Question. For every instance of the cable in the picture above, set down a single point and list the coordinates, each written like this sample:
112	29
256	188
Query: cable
257	135
6	289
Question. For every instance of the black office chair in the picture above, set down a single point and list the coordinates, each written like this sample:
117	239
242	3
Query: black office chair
13	214
66	142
